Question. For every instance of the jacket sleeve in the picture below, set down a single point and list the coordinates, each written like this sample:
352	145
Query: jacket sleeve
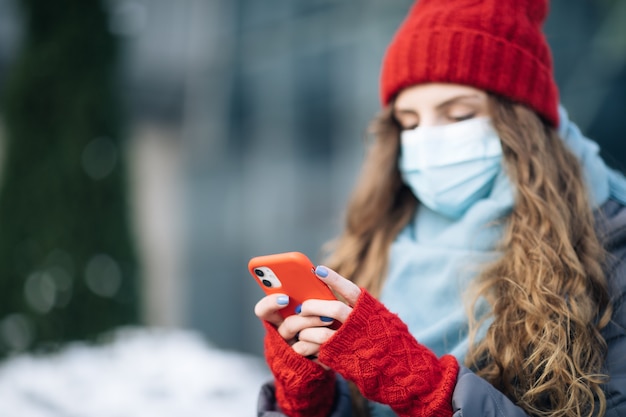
473	397
266	405
615	335
615	332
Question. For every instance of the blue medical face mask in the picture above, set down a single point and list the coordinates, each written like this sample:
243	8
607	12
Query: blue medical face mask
451	167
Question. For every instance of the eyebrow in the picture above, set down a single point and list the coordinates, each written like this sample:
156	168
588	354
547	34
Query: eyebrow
440	106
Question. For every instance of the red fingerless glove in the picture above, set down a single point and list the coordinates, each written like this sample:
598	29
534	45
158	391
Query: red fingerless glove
303	387
376	351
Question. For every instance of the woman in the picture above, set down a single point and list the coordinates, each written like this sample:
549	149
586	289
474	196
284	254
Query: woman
484	243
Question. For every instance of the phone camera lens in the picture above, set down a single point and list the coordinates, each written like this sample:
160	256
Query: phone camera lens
267	282
259	273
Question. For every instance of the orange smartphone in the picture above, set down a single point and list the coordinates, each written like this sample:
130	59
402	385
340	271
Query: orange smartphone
290	273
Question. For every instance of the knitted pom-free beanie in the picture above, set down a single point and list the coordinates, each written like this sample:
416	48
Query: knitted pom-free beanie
493	45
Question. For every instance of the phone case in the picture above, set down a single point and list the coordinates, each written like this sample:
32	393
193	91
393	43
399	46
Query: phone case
296	274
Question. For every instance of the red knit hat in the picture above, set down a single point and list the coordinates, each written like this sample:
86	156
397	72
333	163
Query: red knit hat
493	45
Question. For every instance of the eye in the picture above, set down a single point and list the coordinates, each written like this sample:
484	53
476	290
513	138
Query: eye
463	117
410	127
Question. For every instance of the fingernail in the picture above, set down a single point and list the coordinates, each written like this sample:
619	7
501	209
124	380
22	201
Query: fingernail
326	319
282	300
298	309
321	272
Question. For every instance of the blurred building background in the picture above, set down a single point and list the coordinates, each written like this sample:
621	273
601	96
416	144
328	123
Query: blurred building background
247	131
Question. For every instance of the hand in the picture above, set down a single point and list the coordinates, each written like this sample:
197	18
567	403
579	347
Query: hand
312	335
305	332
289	329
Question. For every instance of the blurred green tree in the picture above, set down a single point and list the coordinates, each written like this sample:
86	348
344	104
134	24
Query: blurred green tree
67	264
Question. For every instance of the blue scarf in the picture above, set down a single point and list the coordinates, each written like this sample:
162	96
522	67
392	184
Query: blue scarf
433	259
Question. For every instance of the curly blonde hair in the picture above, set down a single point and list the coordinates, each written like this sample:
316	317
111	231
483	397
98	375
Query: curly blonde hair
547	292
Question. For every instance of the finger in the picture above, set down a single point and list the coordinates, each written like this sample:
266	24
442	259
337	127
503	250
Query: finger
306	349
346	288
309	350
317	361
267	308
293	325
316	335
326	310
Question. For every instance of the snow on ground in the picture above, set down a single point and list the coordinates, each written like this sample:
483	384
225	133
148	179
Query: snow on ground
141	373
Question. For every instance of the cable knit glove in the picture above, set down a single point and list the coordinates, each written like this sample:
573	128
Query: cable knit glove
303	388
375	350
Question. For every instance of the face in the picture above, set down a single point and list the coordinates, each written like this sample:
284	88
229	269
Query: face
437	104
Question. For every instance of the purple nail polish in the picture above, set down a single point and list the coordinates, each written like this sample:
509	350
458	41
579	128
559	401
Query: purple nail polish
321	272
282	300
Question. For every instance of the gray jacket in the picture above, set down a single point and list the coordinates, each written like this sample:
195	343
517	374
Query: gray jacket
474	396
